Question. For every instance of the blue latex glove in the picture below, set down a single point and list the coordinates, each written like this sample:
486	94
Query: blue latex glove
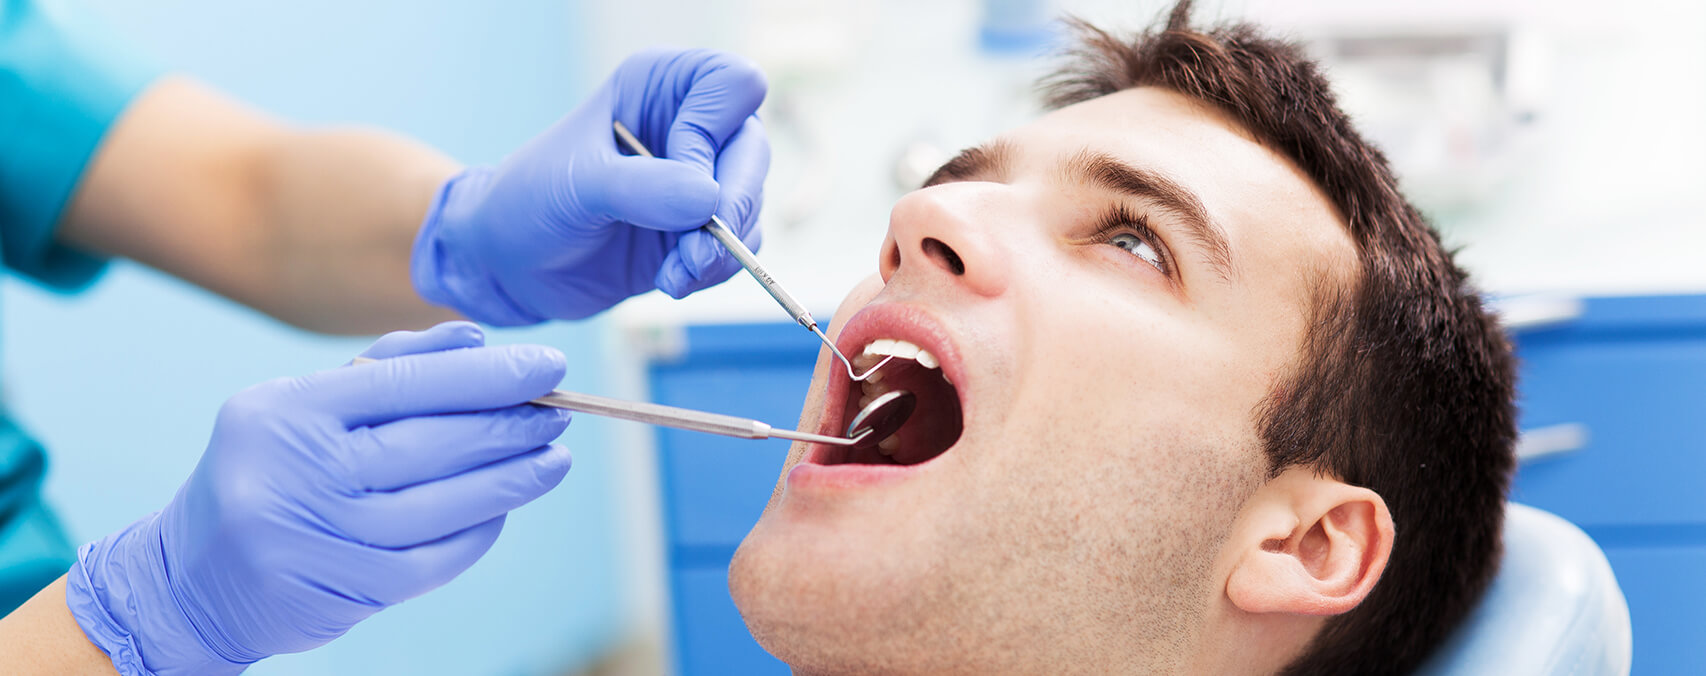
570	225
323	499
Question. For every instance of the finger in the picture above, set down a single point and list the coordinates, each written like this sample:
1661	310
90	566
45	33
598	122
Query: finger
754	237
348	572
725	90
428	511
394	576
454	381
445	336
741	169
699	260
675	279
413	450
651	193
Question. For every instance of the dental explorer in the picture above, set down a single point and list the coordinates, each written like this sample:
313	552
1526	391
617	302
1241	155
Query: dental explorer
721	231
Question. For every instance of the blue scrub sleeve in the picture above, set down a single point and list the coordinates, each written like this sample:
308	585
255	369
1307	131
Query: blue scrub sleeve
62	84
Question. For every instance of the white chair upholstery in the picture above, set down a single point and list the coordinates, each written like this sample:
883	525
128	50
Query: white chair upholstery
1554	610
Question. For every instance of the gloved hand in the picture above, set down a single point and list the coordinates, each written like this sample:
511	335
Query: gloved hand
323	499
570	225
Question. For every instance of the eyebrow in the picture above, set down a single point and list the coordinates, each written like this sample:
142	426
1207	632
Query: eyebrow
1105	170
989	162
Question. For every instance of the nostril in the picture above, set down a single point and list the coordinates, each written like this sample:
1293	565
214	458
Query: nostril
891	258
935	248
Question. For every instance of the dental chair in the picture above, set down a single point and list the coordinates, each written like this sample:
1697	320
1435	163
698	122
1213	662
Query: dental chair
1554	610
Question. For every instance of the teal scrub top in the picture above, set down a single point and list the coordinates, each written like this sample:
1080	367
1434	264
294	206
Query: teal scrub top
62	84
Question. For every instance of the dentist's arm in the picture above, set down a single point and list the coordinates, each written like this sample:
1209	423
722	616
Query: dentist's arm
357	230
311	226
41	638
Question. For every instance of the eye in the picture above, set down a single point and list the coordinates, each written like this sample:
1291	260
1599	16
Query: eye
1138	246
1122	227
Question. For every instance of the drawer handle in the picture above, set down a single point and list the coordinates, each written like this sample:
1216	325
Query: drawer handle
1551	440
1538	311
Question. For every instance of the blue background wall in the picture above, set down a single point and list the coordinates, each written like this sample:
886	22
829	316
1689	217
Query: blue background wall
122	382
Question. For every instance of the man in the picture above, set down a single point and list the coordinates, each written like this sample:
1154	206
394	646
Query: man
324	499
1209	397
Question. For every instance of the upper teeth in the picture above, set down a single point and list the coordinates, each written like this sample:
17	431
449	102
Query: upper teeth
873	386
905	350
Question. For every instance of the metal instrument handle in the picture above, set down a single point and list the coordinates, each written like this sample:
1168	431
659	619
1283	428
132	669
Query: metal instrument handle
671	416
748	260
656	414
726	235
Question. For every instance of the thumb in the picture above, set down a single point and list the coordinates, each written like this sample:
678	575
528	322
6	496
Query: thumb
444	336
435	383
653	193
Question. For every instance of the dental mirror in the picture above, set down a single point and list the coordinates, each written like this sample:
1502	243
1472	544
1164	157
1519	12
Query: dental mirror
881	418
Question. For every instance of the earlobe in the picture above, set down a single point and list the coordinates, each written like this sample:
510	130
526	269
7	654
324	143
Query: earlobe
1309	545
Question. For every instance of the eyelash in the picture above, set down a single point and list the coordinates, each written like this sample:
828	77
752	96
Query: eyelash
1119	219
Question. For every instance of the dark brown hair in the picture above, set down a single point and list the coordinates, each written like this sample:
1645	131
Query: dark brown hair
1405	381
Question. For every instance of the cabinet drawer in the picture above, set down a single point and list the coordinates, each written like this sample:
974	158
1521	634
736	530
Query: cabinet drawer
715	487
1632	373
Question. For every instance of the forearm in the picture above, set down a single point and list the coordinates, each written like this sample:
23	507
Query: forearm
343	207
313	227
41	637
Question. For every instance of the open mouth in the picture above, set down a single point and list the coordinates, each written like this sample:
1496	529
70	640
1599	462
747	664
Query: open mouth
933	428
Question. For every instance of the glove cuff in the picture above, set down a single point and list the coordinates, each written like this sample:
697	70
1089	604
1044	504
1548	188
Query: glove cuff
439	265
118	586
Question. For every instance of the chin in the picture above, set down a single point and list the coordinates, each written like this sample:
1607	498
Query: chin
824	604
782	605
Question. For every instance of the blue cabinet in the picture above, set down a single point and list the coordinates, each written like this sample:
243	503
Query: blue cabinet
1630	371
714	488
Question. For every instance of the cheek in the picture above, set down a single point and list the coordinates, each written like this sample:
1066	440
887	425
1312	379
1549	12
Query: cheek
1110	524
1123	395
1128	360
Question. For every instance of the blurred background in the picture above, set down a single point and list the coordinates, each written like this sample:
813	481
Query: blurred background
1559	144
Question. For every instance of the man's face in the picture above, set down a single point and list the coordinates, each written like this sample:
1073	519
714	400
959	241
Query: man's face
1107	359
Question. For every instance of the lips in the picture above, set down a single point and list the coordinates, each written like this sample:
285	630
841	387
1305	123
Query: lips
936	425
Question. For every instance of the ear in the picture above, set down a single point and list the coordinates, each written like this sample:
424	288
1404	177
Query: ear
1309	545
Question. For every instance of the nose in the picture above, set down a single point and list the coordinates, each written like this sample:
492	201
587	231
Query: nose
946	230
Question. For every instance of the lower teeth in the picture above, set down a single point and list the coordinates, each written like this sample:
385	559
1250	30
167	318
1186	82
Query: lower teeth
888	446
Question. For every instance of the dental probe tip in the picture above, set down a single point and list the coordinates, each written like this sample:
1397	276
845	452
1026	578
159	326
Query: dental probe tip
855	375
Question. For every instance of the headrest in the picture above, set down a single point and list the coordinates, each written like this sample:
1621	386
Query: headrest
1554	609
